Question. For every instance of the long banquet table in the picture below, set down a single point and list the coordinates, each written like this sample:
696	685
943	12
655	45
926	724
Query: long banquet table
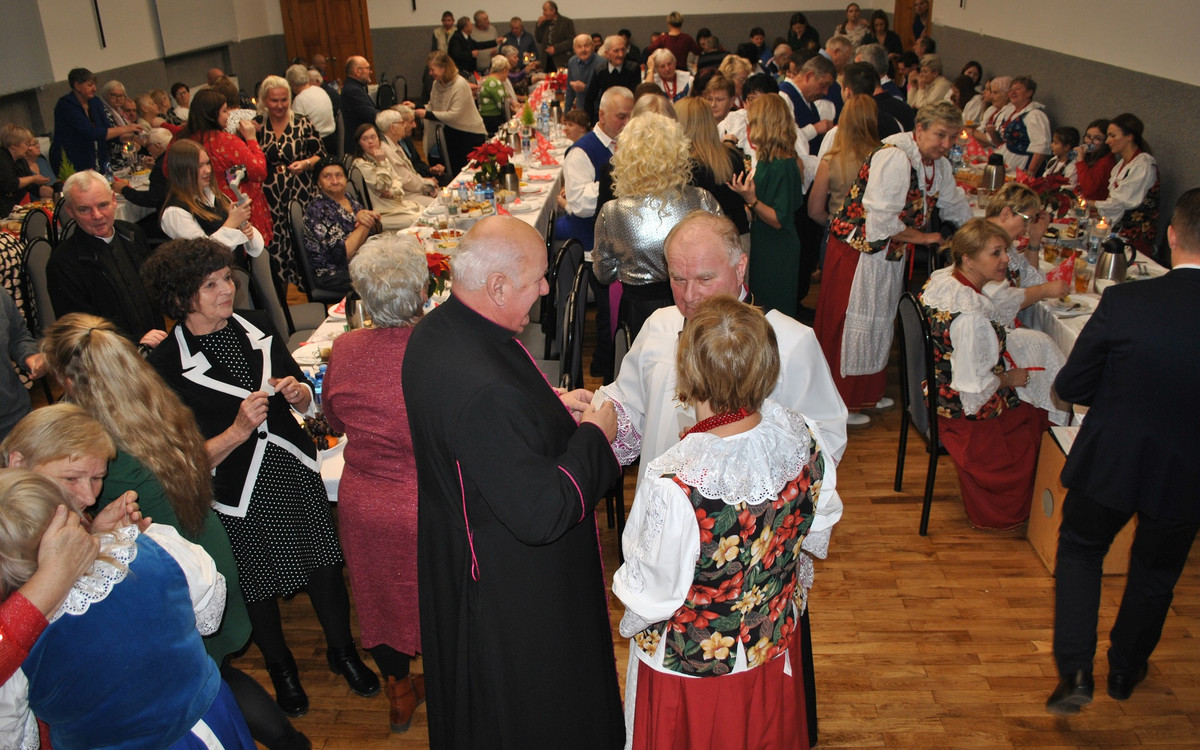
539	193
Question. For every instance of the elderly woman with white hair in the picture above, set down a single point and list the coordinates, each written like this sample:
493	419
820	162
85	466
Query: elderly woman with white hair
293	147
159	139
662	69
396	126
651	172
377	499
930	85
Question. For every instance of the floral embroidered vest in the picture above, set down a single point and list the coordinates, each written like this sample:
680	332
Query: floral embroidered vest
949	404
744	583
852	218
1139	225
1016	134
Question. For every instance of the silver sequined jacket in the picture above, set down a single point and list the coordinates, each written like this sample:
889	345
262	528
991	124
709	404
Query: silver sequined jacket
630	233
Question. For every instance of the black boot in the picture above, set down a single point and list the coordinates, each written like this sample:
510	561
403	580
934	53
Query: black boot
285	676
346	662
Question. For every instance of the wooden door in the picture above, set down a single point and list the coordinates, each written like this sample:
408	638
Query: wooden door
337	29
902	19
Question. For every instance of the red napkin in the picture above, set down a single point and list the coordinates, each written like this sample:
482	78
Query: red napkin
1064	271
501	210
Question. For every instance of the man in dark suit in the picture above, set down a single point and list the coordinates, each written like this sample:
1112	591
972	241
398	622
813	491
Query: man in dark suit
357	106
507	483
97	269
1136	364
618	72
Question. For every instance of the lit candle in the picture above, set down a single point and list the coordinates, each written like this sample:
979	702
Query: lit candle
1102	228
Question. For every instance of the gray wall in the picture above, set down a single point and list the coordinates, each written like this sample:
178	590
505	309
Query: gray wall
250	60
1077	91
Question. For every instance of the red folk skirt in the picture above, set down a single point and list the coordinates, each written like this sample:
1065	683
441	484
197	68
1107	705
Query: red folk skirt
997	463
841	261
762	708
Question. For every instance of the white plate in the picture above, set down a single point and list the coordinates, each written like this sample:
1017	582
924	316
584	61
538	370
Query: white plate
308	355
520	208
435	209
338	311
532	190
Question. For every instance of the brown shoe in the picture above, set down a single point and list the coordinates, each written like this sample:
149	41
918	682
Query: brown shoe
403	702
419	688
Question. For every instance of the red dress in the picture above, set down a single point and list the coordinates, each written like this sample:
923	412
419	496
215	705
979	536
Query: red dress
377	498
224	151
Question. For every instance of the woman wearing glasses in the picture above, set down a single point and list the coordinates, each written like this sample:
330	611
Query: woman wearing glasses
1095	162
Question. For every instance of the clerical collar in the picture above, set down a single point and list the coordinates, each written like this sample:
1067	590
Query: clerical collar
107	240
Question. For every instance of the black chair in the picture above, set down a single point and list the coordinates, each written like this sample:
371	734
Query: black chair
566	262
622	341
36	224
316	293
37	292
339	132
297	323
65	230
439	135
58	220
574	315
355	176
400	87
615	499
385	95
916	368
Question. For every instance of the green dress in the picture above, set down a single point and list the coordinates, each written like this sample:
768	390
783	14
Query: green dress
127	473
775	253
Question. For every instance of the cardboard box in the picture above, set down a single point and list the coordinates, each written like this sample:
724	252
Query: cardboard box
1046	514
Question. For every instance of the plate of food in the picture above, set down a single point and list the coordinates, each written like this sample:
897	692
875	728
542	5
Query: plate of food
538	178
532	190
1070	307
338	311
435	209
520	207
446	234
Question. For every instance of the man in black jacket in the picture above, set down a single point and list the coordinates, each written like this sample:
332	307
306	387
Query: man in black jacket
357	106
1136	365
97	269
618	72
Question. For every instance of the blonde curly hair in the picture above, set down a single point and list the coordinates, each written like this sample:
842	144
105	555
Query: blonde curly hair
653	158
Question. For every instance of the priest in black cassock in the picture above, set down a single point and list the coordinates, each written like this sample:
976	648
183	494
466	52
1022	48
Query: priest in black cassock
515	632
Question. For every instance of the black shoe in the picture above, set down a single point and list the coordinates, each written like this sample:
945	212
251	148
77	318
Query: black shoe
345	661
1071	693
285	676
1121	685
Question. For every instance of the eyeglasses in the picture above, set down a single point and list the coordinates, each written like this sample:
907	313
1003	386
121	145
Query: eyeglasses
1023	216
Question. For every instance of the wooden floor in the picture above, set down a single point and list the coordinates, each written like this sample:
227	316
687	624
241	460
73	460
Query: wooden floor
925	642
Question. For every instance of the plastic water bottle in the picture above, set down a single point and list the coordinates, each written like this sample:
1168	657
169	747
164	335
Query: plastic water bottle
318	382
544	117
956	156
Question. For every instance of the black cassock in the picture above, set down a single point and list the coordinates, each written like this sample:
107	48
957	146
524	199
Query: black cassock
515	632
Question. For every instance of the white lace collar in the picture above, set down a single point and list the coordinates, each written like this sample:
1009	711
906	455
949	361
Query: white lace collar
946	293
121	547
750	467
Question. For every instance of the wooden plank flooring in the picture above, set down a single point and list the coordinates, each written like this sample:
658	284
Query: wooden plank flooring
935	642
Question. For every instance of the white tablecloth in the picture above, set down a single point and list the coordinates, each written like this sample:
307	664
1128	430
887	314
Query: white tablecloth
541	203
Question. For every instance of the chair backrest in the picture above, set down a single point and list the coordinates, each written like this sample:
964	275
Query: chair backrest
574	315
37	255
439	133
916	366
56	224
385	95
315	292
36	224
360	186
561	275
265	293
66	229
340	133
400	86
622	340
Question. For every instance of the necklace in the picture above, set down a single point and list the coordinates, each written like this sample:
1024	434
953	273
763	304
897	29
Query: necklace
717	420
